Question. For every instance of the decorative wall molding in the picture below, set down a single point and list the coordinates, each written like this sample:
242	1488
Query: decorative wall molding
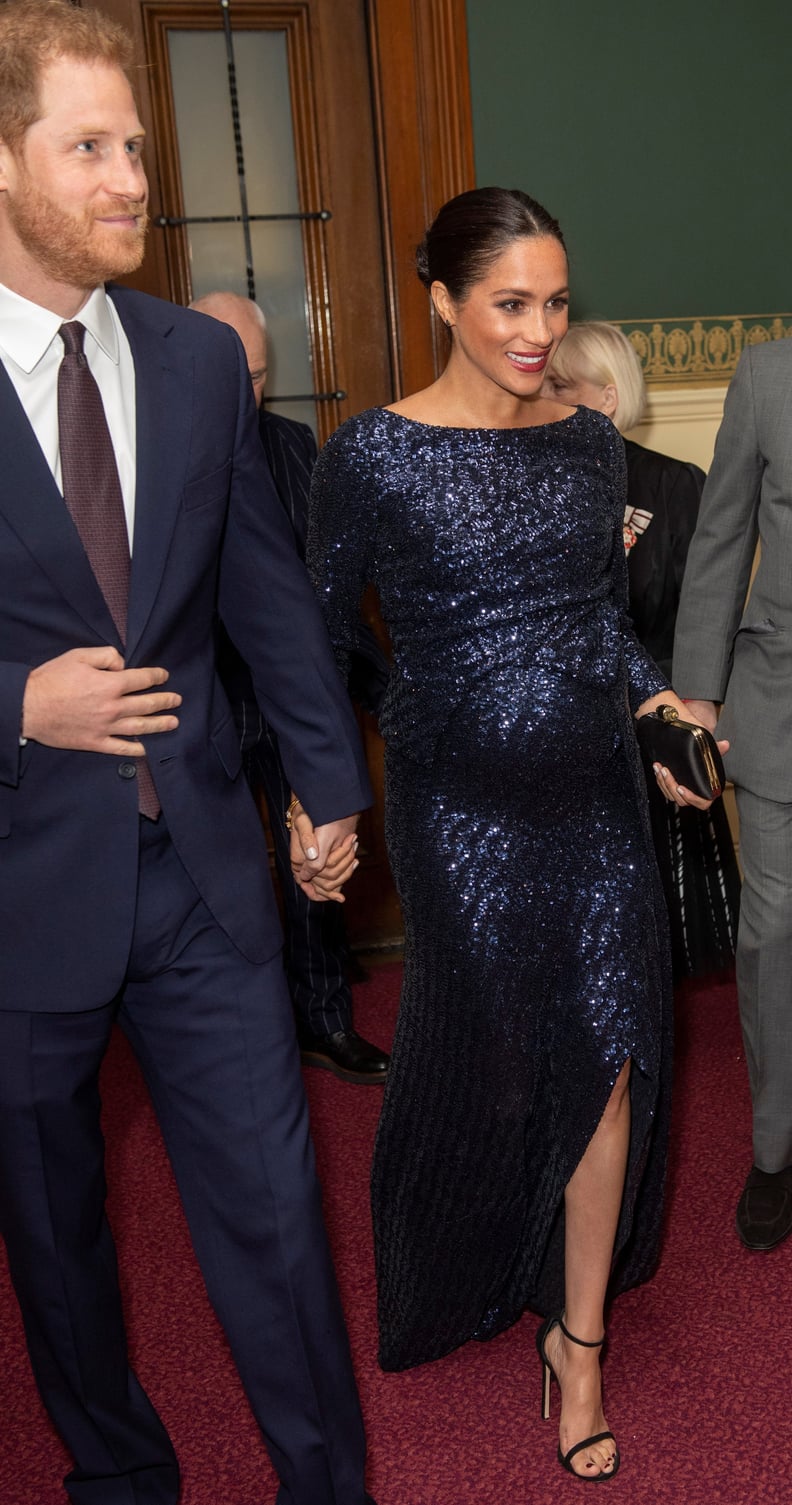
699	350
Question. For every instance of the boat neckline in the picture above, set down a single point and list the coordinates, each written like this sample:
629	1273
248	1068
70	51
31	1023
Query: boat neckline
455	428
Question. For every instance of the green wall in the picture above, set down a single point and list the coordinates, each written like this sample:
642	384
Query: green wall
659	134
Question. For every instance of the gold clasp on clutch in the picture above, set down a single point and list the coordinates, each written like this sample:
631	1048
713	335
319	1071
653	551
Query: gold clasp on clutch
707	759
670	713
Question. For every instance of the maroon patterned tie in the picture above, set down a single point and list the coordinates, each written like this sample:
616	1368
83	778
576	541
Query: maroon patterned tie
92	492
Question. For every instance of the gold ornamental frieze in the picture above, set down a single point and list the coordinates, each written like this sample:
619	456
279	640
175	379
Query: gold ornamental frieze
699	350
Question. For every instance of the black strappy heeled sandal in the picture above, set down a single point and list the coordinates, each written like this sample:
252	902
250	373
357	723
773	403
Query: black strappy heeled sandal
548	1375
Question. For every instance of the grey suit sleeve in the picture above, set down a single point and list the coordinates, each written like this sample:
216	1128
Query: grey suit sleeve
719	562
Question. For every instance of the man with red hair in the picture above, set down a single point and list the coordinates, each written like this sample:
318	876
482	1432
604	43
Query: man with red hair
136	506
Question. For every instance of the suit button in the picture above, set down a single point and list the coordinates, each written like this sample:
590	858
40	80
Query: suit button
127	770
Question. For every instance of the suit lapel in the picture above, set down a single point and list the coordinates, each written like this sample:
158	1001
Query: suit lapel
163	400
32	504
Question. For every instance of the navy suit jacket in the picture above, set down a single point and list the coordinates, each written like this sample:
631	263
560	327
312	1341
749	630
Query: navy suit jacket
291	452
210	537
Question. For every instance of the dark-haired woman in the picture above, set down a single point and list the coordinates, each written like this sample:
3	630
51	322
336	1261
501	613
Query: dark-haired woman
522	1139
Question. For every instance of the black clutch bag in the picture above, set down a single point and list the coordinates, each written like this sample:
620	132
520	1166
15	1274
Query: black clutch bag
689	752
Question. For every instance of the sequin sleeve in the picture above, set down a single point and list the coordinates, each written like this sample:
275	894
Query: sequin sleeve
341	531
644	677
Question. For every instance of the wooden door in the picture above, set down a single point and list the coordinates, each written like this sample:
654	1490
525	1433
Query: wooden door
380	122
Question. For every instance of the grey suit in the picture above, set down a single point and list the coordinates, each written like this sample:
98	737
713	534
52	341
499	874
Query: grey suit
739	651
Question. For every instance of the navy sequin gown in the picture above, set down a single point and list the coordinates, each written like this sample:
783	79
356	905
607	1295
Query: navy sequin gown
536	953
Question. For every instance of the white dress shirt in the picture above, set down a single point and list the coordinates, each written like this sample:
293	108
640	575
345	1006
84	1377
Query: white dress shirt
31	351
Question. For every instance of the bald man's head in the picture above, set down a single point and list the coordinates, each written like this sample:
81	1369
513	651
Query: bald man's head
248	320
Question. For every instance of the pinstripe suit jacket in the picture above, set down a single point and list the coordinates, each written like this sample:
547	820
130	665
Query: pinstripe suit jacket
291	451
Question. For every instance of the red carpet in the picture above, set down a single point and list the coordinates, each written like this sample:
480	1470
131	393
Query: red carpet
697	1373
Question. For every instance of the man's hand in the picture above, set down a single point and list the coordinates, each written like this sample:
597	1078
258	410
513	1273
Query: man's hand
705	712
73	701
323	857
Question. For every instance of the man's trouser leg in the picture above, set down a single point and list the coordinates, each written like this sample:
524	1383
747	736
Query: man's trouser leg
764	972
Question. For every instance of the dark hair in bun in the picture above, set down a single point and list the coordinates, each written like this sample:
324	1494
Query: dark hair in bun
472	230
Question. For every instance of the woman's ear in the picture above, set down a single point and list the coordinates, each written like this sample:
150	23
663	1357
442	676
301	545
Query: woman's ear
443	304
610	399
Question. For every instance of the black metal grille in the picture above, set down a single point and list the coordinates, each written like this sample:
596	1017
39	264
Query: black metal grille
245	218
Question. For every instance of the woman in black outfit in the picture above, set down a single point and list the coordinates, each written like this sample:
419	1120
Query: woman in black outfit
597	367
520	1154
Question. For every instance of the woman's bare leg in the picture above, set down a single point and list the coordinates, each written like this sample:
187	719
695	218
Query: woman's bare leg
592	1202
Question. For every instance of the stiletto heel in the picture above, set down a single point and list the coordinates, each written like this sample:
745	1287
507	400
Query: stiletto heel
548	1375
548	1372
547	1368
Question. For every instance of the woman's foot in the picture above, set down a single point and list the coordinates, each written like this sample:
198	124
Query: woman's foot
577	1370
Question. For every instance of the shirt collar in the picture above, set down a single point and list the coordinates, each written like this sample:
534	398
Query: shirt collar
27	330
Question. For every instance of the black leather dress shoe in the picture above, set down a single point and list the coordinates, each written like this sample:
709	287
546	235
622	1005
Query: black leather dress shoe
764	1211
347	1055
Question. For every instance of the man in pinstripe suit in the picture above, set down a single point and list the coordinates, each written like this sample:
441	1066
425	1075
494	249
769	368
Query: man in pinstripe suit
315	941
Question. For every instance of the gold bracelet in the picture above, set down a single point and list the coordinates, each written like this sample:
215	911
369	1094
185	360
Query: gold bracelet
294	806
